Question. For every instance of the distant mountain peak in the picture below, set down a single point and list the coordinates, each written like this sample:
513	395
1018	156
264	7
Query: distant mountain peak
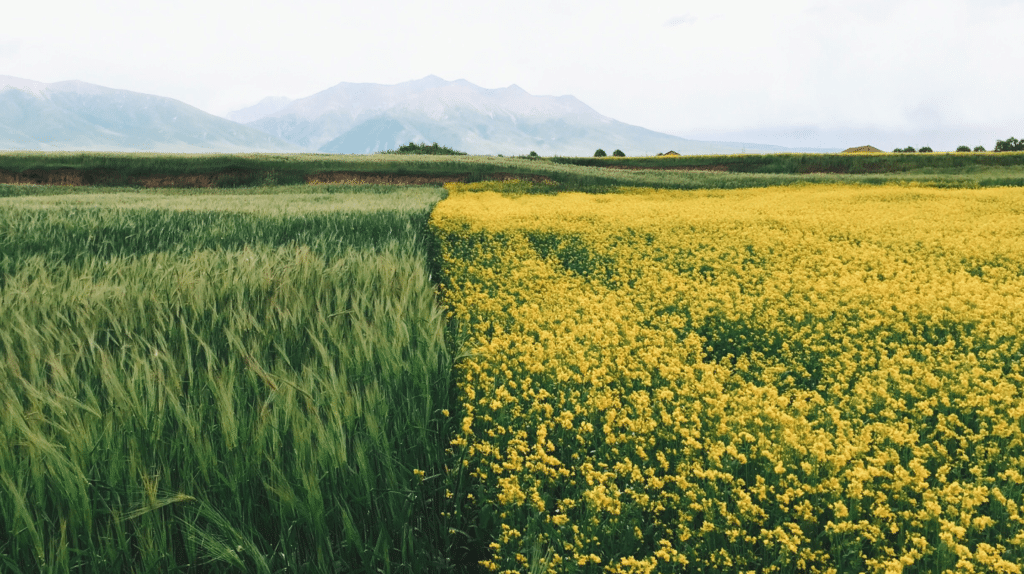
345	118
430	80
30	86
365	118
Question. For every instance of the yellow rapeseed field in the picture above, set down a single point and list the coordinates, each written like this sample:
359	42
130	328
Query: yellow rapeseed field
800	379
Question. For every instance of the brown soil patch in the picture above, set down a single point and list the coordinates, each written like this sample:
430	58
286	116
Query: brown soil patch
378	178
43	177
203	180
389	179
520	176
74	177
710	168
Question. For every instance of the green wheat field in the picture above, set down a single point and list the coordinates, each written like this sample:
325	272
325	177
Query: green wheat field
200	381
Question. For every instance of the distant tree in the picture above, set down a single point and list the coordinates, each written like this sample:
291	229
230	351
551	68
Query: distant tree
533	154
979	148
963	148
908	149
600	153
925	149
897	150
618	153
424	149
1010	144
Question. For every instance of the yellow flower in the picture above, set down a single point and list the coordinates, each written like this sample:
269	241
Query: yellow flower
786	369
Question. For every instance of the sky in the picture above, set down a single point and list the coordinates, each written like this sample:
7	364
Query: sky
799	73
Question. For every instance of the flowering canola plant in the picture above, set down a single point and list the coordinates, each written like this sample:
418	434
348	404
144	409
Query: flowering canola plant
800	379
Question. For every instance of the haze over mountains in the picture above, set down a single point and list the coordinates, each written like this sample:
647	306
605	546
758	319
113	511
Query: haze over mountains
366	118
347	118
76	115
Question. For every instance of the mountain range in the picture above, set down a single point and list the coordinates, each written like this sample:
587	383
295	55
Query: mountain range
347	118
76	115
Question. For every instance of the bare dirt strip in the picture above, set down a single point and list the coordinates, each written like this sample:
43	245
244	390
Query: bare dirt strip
684	168
73	177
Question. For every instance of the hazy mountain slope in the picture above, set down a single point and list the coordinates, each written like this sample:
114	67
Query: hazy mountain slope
364	118
263	108
79	116
29	122
347	118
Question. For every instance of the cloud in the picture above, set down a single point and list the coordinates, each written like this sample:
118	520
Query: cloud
680	20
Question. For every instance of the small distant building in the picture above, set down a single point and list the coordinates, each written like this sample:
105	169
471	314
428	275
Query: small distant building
668	153
863	149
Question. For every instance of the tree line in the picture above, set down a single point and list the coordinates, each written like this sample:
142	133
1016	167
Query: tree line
1009	144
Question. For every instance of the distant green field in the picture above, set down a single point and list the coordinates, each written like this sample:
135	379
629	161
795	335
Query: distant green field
967	170
243	383
803	163
86	226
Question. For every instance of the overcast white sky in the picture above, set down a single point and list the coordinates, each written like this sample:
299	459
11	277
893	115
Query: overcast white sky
791	72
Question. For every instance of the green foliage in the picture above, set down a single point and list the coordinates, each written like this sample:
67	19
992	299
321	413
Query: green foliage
908	149
963	148
75	229
1009	144
618	153
424	149
532	154
979	148
736	171
600	153
925	149
223	383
